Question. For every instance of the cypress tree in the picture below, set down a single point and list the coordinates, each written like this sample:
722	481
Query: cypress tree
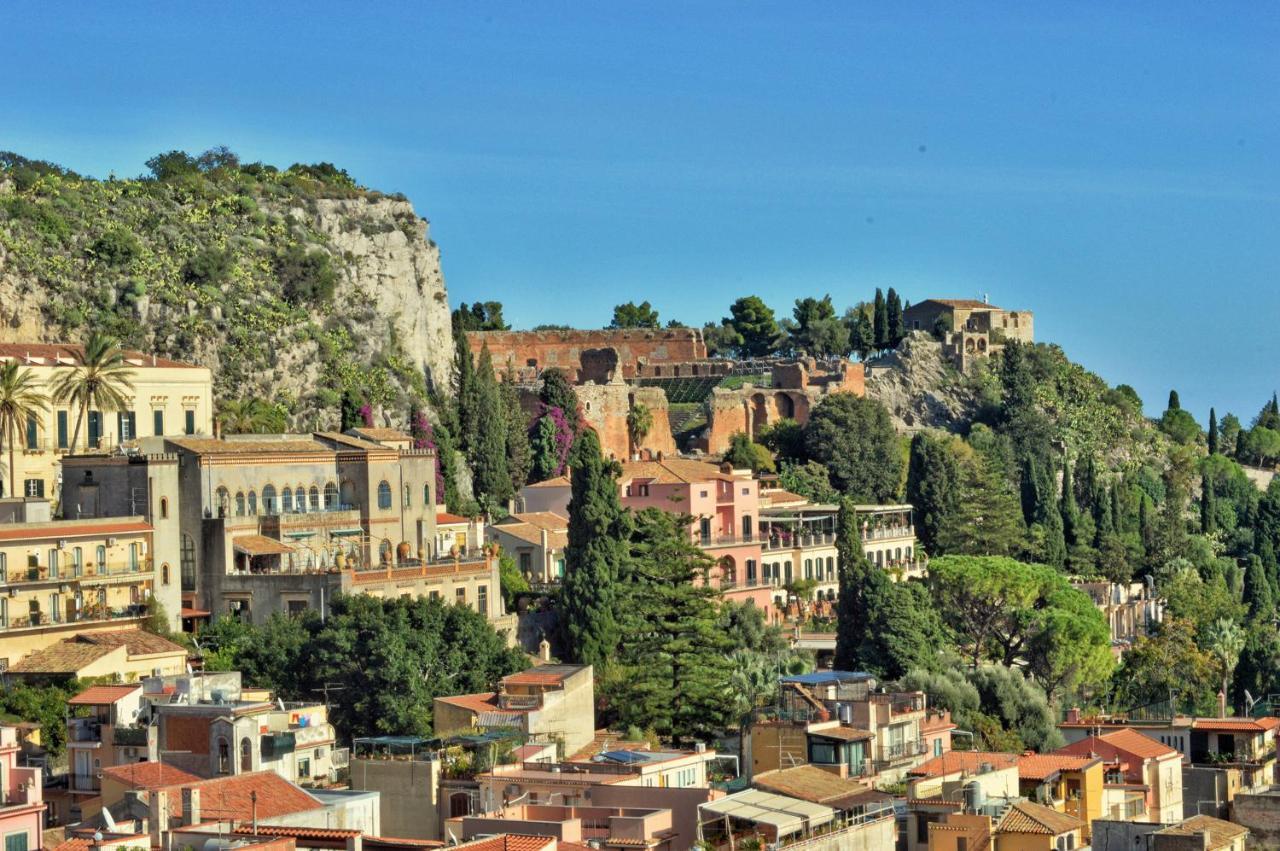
880	321
1103	522
1213	432
854	572
1208	520
893	319
1146	525
594	558
488	455
1067	505
1173	401
933	487
1030	490
519	450
1267	554
1257	591
1118	519
464	392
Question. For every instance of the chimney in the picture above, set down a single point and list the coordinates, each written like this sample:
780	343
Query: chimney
190	806
158	816
1073	715
544	650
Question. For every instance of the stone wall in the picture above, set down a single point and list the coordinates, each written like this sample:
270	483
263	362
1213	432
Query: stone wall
591	355
1261	814
605	408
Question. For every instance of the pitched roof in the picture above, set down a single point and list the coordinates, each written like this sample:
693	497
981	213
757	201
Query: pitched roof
809	783
963	303
1233	725
348	440
371	433
444	518
529	528
542	675
557	482
217	446
1028	817
954	762
49	354
228	798
149	775
486	702
1041	766
843	734
671	471
100	695
1220	832
1128	741
510	842
259	545
71	654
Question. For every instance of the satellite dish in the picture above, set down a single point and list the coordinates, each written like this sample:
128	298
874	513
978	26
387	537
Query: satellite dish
97	836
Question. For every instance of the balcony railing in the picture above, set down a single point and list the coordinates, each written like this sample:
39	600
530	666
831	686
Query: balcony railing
42	619
129	736
84	730
885	533
897	751
85	783
69	573
725	540
817	539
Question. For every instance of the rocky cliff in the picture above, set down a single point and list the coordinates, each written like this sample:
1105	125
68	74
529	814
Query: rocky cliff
920	388
295	286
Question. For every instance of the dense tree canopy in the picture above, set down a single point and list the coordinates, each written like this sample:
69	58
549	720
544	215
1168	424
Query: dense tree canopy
855	440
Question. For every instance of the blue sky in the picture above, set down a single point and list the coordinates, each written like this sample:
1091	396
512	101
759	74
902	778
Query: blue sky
1113	169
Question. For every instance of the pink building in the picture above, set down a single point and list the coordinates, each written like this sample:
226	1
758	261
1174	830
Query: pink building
725	506
21	798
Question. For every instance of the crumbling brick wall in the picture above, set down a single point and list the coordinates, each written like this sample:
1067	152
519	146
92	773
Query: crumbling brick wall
582	354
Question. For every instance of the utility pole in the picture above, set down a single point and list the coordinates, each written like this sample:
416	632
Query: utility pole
326	688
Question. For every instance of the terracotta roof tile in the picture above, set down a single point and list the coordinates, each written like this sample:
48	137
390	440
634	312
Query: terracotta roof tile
808	783
137	642
674	471
964	303
486	702
1126	741
149	775
542	675
510	842
370	433
228	798
843	734
557	482
101	695
1042	766
954	762
73	353
296	832
69	529
215	446
1234	725
1028	817
444	518
1221	833
65	657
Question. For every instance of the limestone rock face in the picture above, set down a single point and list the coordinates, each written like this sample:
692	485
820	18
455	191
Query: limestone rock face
919	388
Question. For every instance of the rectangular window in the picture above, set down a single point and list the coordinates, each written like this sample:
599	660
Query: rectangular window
304	769
33	487
95	429
53	564
157	422
526	563
63	441
16	841
482	600
33	432
190	421
460	596
133	557
126	425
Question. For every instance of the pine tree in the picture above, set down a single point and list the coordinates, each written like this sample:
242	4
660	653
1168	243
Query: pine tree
519	452
673	649
1173	401
488	455
1213	432
594	558
893	319
1208	521
854	573
880	321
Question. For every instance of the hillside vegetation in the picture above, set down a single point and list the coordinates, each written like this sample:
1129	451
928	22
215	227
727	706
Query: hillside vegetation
277	279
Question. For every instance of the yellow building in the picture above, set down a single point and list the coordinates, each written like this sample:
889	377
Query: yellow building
61	578
1065	783
168	398
1031	827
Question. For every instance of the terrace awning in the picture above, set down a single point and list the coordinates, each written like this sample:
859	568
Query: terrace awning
786	815
344	533
260	545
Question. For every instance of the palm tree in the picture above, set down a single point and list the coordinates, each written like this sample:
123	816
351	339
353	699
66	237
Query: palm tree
250	416
639	423
20	401
100	380
1224	638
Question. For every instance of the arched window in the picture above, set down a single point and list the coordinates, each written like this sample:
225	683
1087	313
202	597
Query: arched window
164	574
188	564
315	498
300	499
831	568
164	508
224	502
408	497
286	501
246	755
101	558
269	505
253	503
240	504
384	494
224	756
330	496
426	495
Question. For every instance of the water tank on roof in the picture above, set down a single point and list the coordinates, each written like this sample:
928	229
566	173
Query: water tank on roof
844	711
974	796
